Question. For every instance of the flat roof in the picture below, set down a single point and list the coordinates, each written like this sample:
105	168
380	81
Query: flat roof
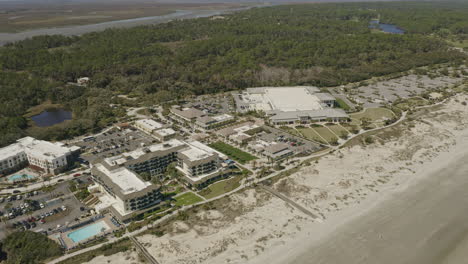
289	99
149	123
166	132
323	113
126	180
275	148
222	117
11	150
205	119
188	113
325	96
195	153
38	148
137	153
207	148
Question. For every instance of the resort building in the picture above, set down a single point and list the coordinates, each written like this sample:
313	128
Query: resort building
278	151
199	118
165	134
121	189
289	105
148	126
188	115
240	133
47	157
122	192
209	122
201	164
153	159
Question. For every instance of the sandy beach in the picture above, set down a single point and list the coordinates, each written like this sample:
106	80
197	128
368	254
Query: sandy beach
401	199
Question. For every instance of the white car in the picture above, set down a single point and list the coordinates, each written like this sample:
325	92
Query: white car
41	205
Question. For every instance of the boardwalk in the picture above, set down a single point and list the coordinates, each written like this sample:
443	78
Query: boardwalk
290	202
143	251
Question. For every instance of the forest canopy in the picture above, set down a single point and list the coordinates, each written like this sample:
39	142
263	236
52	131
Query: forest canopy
314	44
29	248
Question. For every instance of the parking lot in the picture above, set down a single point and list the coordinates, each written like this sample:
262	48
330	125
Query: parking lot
41	210
113	142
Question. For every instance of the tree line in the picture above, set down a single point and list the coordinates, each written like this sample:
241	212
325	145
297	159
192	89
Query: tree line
315	44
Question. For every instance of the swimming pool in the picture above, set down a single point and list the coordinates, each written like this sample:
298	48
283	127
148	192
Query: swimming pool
88	231
20	177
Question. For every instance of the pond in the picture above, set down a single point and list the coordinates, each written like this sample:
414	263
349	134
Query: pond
388	28
51	117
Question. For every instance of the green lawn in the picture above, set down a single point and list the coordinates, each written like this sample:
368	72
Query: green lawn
221	187
187	199
338	130
411	103
342	104
310	134
326	134
374	114
234	153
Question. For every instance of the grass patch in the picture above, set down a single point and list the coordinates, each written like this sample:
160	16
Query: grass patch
411	103
187	199
232	152
291	131
221	187
374	114
341	104
106	250
339	130
326	134
310	134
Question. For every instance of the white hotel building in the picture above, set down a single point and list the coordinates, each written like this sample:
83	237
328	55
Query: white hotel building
48	157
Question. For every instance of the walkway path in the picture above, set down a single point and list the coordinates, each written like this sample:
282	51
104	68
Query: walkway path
143	251
290	202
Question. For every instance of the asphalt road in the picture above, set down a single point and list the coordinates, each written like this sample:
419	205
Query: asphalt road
426	224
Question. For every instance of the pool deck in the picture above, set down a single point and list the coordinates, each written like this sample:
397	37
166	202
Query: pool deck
62	238
32	175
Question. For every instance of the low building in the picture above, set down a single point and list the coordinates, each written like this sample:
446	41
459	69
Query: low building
200	118
148	126
289	105
188	115
165	134
45	156
278	151
210	122
323	115
243	128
